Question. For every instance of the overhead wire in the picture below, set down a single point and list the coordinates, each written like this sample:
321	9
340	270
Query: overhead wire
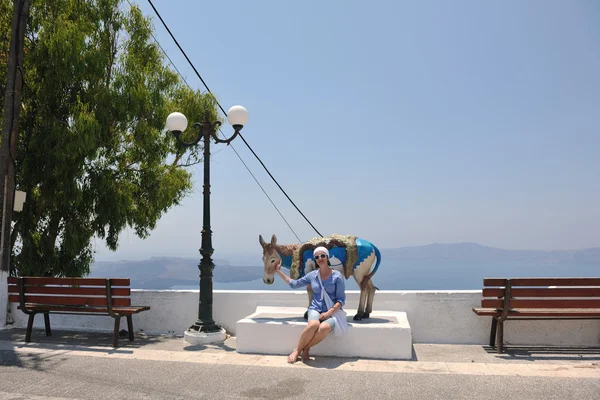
239	134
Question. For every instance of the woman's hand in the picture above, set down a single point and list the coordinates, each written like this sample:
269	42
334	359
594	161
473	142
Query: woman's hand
325	316
281	274
329	313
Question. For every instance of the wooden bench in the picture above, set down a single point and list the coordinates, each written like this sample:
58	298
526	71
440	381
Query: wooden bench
79	296
537	298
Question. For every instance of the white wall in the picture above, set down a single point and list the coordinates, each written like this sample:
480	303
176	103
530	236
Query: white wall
434	316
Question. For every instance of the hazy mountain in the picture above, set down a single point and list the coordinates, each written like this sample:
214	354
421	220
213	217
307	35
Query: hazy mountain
477	252
165	272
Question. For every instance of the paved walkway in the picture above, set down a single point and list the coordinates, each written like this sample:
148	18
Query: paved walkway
75	365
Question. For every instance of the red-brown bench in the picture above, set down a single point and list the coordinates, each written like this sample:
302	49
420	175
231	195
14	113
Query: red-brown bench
79	296
537	298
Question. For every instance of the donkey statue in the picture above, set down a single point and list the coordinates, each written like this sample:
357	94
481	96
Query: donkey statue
348	254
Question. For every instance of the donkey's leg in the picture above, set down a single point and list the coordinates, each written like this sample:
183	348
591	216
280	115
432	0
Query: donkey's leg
370	295
360	313
363	297
360	273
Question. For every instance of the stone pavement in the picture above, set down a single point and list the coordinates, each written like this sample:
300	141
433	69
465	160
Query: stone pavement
80	365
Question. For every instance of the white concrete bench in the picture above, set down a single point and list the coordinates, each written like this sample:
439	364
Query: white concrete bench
276	330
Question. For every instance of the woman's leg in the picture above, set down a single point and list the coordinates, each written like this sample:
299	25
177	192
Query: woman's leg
324	329
308	333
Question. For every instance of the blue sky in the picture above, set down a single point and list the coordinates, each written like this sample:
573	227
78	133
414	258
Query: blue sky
405	123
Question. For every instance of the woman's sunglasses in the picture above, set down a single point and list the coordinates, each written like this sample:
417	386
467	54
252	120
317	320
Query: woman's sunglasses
320	256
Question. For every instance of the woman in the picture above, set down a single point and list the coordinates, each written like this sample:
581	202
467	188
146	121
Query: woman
321	319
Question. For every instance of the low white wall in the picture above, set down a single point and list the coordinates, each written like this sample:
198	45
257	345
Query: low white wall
434	316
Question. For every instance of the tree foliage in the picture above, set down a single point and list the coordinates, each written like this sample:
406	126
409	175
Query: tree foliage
93	154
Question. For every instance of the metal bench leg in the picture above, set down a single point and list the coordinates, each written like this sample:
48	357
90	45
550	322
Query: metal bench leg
493	331
116	332
130	327
47	324
500	336
29	327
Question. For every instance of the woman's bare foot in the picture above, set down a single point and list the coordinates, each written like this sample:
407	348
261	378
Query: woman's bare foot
293	357
305	356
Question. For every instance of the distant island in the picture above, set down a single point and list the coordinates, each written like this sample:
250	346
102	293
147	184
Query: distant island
474	251
165	272
434	266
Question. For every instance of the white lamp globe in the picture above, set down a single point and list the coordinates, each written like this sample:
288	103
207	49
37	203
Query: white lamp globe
237	115
176	122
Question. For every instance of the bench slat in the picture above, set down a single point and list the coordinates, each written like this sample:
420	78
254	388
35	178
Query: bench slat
99	310
543	282
532	312
541	303
90	291
70	281
63	300
543	292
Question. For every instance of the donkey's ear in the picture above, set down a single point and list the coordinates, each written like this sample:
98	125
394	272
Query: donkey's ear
273	240
261	240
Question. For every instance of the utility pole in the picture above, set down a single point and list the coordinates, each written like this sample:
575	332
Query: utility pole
8	146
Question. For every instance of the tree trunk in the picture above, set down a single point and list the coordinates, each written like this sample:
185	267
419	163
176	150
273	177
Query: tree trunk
10	127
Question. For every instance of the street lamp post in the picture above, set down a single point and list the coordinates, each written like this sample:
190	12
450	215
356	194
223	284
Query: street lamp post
205	330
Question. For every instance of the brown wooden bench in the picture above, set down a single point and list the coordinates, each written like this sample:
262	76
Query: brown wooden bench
79	296
537	298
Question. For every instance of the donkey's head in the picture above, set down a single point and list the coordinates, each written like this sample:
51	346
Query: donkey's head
270	258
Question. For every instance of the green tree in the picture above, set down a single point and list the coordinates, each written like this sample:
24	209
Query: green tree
93	154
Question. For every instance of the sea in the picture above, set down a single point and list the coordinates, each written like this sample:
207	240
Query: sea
434	274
